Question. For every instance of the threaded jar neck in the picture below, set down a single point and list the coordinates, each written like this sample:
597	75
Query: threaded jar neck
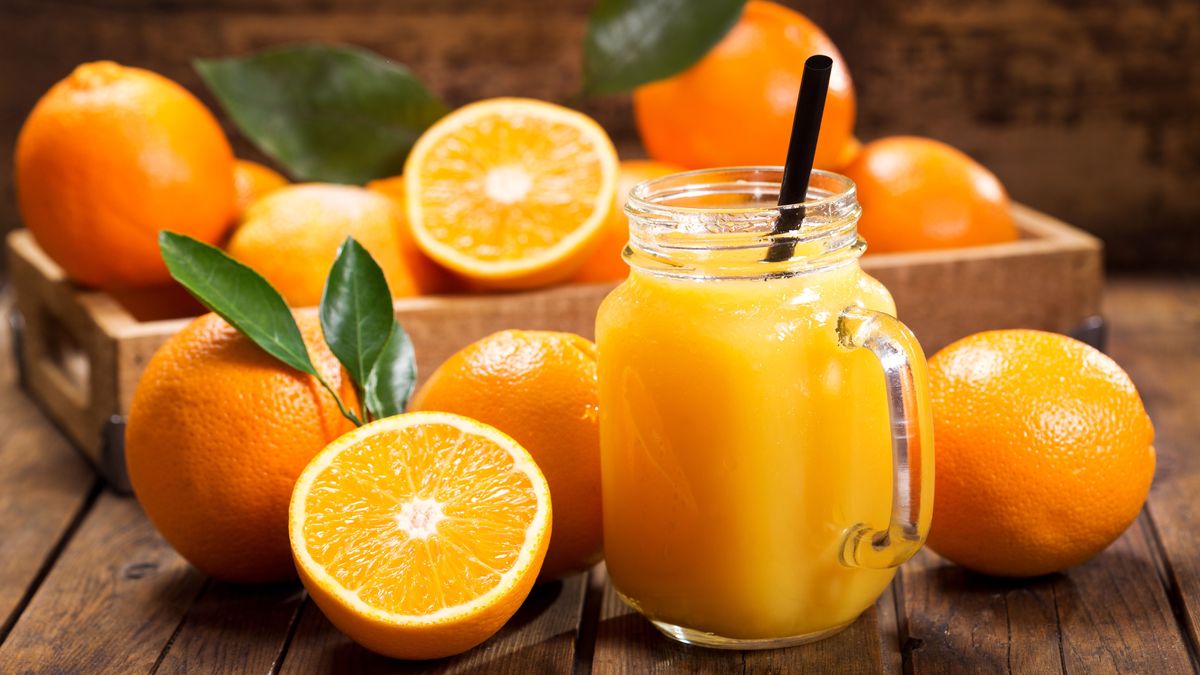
720	223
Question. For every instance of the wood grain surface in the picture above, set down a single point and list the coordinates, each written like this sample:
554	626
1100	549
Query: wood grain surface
88	586
111	602
1085	110
232	629
1156	336
1074	622
56	488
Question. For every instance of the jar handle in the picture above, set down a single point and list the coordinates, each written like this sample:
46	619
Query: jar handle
912	458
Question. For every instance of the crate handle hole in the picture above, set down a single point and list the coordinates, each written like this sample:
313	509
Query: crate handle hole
66	359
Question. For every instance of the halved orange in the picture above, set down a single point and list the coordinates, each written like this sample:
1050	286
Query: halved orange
420	535
511	192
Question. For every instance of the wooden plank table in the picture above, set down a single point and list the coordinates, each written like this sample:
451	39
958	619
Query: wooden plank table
86	585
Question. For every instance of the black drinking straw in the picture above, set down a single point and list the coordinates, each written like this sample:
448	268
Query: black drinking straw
806	126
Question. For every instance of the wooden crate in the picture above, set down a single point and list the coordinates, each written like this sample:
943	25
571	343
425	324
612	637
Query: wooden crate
82	352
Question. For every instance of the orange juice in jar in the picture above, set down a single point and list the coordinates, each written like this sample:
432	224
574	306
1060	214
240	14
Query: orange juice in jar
765	441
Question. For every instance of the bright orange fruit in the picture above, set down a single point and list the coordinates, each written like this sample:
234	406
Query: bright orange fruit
1044	452
110	156
252	181
848	154
540	388
392	187
218	432
918	193
605	263
420	535
510	192
735	106
431	277
292	235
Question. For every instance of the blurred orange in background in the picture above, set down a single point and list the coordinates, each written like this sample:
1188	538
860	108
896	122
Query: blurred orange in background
848	154
291	237
391	187
606	263
252	180
918	193
735	106
433	278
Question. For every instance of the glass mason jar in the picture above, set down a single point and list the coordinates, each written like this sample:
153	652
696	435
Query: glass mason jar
765	441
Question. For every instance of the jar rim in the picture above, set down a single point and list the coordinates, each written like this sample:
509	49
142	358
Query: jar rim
674	229
642	197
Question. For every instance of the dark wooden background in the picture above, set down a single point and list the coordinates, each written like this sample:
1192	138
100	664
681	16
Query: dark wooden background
1086	109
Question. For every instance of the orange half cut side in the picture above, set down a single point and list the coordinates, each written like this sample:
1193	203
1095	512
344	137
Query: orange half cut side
510	192
420	535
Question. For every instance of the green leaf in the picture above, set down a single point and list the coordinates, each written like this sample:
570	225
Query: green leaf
239	295
356	310
394	376
326	113
632	42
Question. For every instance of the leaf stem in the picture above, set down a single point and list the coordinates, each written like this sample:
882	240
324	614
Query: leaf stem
362	396
348	414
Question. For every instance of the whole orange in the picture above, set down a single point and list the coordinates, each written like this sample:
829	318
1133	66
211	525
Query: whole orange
108	157
392	186
918	193
540	388
1044	452
291	237
848	154
217	434
735	106
253	180
605	263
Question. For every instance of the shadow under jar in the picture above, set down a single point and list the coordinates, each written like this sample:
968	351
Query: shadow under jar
765	441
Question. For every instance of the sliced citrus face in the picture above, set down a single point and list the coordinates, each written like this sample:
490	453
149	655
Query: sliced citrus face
510	192
420	535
